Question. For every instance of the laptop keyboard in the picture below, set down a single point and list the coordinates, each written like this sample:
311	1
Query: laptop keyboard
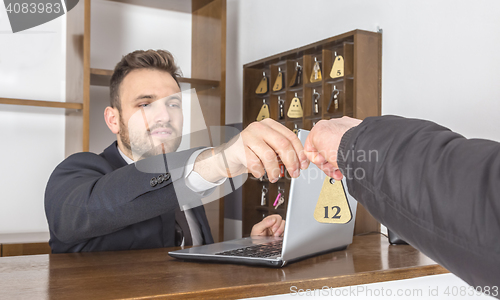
261	250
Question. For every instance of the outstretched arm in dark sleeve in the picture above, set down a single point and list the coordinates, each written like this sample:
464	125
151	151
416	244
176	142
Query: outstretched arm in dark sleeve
85	197
436	189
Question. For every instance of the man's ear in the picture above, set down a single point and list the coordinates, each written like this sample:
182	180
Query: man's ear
112	118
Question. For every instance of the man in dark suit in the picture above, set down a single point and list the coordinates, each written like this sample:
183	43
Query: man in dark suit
106	202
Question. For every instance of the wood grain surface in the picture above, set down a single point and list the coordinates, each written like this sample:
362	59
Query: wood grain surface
148	274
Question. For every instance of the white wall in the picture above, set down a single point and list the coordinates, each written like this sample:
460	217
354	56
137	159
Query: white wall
440	58
118	29
32	66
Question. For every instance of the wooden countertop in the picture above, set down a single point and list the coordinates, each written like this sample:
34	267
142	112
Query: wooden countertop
153	274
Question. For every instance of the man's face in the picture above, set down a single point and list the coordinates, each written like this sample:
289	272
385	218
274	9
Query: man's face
151	115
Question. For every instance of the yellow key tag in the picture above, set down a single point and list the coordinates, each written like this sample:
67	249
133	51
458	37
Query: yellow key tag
332	206
316	73
263	113
262	88
295	110
278	84
338	67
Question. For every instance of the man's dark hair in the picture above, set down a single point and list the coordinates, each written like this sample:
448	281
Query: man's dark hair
151	59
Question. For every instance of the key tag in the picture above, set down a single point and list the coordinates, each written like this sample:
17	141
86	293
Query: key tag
297	76
316	97
264	111
296	130
281	112
338	67
263	196
332	206
316	72
295	110
282	167
278	84
263	85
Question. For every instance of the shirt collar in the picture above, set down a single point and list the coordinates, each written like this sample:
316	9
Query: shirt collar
126	158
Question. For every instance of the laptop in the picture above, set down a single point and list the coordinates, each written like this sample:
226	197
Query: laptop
304	236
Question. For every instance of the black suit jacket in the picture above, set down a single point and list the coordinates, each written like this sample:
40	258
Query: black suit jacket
99	202
434	188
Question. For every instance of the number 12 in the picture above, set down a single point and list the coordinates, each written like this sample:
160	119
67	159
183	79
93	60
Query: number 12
336	215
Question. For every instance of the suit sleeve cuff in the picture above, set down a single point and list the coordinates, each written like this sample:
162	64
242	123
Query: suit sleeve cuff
194	180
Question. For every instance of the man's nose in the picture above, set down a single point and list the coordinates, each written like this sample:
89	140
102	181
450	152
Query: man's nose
160	111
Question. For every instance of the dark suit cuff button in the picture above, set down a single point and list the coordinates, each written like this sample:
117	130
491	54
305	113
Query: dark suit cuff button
166	176
153	182
160	179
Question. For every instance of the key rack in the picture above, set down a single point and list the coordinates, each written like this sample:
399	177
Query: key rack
359	96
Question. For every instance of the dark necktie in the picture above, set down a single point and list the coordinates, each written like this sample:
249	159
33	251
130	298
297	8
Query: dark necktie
182	229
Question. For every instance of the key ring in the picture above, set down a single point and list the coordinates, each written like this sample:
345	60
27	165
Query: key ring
335	92
316	95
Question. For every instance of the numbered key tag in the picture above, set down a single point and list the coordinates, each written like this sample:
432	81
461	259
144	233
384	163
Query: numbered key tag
263	86
278	84
332	206
316	72
338	67
263	113
295	110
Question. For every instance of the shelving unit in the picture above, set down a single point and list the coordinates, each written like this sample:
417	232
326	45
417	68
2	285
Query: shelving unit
205	52
359	97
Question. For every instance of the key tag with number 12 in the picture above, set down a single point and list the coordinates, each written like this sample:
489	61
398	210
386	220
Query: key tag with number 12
332	206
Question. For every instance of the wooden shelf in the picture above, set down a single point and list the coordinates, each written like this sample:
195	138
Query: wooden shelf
174	5
67	105
101	77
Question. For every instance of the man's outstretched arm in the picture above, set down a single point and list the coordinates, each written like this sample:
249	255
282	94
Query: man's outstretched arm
436	189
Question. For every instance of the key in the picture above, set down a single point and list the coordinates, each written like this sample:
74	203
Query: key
263	196
316	102
281	103
334	100
281	200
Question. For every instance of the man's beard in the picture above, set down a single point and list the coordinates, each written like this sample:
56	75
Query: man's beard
142	145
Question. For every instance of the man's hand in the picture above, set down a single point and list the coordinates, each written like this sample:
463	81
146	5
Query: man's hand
323	143
255	150
272	225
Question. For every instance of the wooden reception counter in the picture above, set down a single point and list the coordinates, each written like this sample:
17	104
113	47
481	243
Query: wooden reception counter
148	274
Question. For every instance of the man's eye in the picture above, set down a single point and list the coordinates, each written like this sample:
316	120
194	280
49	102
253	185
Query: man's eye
144	105
174	105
